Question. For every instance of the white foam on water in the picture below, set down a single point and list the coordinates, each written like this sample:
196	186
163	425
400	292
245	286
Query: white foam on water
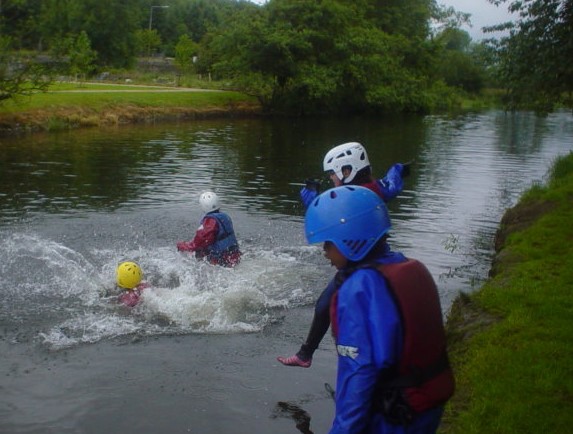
31	266
76	298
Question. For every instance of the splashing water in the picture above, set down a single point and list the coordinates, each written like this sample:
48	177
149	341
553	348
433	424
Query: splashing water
68	299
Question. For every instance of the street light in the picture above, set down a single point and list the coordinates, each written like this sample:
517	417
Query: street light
151	13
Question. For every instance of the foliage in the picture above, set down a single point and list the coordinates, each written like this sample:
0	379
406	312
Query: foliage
20	75
487	57
147	41
81	55
306	57
535	59
457	66
18	20
109	24
296	56
185	51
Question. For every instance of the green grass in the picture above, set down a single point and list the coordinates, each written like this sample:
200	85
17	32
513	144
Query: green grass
516	376
63	86
108	95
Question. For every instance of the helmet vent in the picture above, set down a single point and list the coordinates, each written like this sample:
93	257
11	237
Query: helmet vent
355	246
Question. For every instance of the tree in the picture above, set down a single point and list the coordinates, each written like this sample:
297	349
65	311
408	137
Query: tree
109	24
20	75
307	57
18	19
535	59
81	56
185	51
457	65
147	41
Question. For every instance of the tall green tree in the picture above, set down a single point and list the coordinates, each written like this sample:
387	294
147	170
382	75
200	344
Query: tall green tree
19	21
109	24
304	56
147	41
535	59
20	75
81	56
194	18
185	52
457	65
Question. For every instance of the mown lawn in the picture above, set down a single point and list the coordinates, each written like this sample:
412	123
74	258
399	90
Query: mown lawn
69	105
97	96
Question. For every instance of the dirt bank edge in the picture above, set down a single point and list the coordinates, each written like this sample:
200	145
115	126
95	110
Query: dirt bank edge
63	118
466	318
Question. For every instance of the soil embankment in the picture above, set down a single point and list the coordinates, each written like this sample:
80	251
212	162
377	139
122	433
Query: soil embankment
61	118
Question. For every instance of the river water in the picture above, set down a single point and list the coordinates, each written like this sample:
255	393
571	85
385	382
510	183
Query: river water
198	354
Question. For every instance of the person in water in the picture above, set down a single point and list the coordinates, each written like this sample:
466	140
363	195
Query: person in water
346	164
393	372
215	239
129	278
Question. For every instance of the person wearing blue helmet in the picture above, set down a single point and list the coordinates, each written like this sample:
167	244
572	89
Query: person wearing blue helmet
346	164
393	372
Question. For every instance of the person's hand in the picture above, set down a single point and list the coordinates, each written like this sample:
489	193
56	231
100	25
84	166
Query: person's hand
312	184
182	246
406	169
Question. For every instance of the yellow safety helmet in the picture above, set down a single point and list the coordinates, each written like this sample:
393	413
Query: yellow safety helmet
129	275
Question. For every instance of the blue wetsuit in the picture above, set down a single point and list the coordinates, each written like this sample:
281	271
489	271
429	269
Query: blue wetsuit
369	339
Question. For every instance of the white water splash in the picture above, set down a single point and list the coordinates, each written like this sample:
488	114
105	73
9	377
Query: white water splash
77	298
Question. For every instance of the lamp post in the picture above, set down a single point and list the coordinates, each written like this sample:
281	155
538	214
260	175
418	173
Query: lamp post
151	13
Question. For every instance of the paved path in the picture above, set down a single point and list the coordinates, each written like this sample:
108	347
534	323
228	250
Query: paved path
146	88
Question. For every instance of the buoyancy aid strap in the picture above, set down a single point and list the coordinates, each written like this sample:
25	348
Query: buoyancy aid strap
418	376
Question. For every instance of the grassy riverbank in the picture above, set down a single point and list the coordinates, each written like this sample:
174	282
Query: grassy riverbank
511	342
69	106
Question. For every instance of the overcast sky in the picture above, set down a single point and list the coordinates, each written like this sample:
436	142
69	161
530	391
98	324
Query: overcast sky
483	13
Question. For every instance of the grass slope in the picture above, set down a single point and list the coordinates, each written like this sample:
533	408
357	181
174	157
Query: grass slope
512	341
71	106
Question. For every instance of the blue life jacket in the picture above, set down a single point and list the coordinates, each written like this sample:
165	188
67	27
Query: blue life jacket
226	240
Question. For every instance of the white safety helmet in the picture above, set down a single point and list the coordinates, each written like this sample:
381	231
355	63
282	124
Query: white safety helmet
209	201
350	154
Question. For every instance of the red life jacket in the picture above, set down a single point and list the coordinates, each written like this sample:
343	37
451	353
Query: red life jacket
375	187
423	371
131	297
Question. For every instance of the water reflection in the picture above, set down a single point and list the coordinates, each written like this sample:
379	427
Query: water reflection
253	162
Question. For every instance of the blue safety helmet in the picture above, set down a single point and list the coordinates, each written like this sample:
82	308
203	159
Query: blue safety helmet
354	218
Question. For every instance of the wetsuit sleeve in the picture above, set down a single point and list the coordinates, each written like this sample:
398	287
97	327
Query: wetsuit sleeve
392	183
204	237
307	195
369	339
